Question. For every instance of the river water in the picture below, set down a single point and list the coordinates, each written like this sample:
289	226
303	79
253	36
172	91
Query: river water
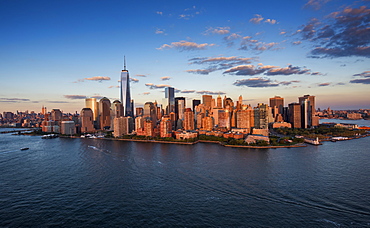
100	183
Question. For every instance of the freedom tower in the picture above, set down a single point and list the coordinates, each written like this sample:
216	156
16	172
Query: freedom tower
125	91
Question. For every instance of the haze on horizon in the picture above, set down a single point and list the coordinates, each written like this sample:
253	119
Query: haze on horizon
57	53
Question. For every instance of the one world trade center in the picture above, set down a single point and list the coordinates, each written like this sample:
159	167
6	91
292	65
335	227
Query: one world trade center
125	91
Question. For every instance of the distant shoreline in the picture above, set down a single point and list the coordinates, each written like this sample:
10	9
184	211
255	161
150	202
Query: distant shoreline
199	141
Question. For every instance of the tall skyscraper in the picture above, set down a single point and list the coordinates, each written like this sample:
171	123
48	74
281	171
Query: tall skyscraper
125	91
277	103
169	94
307	103
93	105
104	113
180	107
207	101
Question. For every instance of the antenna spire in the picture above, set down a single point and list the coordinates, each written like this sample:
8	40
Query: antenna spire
124	62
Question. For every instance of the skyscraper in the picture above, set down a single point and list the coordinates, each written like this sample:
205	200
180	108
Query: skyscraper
125	91
170	99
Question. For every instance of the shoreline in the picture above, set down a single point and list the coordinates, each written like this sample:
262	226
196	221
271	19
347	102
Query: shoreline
199	141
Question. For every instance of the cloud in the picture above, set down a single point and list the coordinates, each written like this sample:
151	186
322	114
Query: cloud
201	71
159	31
134	80
165	78
159	12
315	4
245	70
13	100
340	34
217	63
146	93
297	42
361	81
98	78
365	74
75	97
140	75
189	13
270	21
251	70
110	87
288	71
231	38
255	45
324	84
257	19
185	46
153	86
218	30
256	82
188	91
207	92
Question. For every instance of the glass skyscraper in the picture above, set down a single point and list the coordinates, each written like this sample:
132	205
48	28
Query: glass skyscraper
125	91
170	99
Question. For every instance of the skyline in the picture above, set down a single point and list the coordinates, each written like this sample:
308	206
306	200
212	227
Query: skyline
56	54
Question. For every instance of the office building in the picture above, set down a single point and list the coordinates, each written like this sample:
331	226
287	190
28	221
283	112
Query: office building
277	105
169	94
93	105
188	119
125	91
87	120
104	113
295	115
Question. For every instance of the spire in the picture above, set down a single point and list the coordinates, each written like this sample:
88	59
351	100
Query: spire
124	62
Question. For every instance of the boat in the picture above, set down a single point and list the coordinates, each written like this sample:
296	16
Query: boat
24	148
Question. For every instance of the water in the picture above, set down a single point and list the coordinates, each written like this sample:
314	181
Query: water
100	183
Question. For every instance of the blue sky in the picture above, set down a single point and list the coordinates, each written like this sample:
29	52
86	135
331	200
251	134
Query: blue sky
56	53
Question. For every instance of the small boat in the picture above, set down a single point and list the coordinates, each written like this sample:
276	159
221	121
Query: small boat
24	148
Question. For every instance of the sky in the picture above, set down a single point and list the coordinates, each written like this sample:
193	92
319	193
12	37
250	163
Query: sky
57	53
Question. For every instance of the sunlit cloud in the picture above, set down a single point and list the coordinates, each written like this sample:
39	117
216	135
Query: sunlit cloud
96	78
256	82
257	19
251	70
165	78
297	42
207	92
187	91
153	86
315	4
340	34
252	44
270	21
185	46
159	31
218	30
217	63
110	87
140	75
134	80
365	74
